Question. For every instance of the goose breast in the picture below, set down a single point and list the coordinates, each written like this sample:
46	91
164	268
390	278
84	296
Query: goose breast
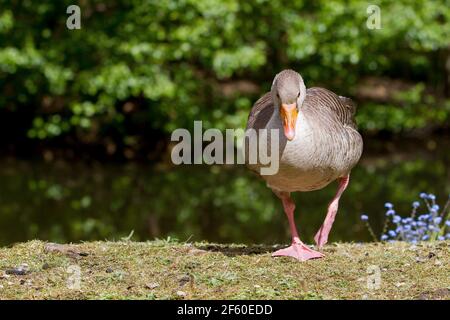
326	144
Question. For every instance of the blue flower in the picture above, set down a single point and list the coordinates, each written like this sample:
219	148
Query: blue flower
388	205
390	212
421	227
437	220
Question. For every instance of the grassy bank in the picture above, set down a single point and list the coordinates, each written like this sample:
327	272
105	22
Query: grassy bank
168	270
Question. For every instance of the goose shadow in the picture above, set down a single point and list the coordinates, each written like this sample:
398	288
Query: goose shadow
239	250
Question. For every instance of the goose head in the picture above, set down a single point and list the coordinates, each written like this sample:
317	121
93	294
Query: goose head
288	93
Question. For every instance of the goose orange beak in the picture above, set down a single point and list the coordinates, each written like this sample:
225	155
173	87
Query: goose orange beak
288	113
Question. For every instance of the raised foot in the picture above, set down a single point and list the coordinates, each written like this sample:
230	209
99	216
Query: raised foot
298	251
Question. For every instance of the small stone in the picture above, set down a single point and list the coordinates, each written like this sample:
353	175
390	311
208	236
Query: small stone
152	285
184	279
437	262
420	260
109	270
18	271
45	266
68	250
181	293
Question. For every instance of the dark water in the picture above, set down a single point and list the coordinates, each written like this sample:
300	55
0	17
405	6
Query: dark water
62	201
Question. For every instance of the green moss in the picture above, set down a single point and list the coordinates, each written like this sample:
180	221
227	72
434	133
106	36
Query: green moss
171	270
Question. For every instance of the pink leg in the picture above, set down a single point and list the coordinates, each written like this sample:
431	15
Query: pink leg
321	237
298	249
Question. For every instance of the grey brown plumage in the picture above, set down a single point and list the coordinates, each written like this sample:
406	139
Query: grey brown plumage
327	144
318	143
261	112
334	107
343	107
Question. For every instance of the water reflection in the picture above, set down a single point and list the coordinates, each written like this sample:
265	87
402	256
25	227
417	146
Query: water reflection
72	202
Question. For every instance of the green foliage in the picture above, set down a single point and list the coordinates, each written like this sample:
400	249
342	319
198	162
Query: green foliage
161	64
408	110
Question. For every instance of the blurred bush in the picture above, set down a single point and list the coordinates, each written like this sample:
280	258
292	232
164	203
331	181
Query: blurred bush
138	69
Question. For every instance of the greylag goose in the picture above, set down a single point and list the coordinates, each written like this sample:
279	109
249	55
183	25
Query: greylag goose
318	143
